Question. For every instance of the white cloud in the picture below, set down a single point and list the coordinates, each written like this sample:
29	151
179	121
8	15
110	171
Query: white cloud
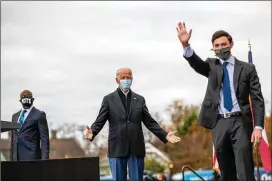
67	52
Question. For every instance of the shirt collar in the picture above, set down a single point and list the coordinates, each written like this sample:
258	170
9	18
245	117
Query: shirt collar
231	60
28	110
125	93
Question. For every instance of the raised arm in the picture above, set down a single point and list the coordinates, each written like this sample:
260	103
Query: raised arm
200	66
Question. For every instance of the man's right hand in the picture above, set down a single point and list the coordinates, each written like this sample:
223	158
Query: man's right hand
88	134
183	35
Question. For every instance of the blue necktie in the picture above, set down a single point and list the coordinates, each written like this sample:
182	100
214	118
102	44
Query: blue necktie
21	119
226	88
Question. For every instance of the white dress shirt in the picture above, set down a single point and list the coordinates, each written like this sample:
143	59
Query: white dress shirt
26	114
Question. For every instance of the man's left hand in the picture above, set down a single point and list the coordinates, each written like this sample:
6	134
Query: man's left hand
172	138
256	137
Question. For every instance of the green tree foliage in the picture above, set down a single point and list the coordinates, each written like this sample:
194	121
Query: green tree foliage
153	166
195	147
178	111
183	128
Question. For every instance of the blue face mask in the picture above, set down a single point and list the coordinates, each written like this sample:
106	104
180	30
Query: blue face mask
125	85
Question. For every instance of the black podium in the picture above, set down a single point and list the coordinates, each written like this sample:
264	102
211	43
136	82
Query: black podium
70	169
9	126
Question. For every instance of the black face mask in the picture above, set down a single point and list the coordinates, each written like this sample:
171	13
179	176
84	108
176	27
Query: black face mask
27	102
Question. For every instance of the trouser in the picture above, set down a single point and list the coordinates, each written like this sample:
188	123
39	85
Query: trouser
233	148
119	168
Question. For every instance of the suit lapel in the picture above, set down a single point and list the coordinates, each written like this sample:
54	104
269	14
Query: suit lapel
219	72
133	102
236	74
117	100
29	116
15	120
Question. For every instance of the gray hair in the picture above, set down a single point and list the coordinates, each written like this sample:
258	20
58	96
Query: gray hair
124	68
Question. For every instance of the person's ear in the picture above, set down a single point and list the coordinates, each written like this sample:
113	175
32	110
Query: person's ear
231	45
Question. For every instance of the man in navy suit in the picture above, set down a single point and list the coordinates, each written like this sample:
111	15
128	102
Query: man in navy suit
31	141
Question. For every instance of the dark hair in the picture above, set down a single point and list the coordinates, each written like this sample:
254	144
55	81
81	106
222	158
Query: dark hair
221	33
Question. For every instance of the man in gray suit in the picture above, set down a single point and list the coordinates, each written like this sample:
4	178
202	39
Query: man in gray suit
226	107
126	111
31	141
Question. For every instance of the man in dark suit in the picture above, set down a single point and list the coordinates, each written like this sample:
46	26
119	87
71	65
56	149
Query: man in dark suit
31	141
226	107
125	110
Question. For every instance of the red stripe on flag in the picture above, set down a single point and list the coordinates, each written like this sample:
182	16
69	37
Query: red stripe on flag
265	156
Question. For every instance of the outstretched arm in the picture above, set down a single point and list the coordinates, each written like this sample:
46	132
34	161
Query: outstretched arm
100	120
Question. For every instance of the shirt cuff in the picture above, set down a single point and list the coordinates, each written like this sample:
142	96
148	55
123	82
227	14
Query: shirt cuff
258	127
188	51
